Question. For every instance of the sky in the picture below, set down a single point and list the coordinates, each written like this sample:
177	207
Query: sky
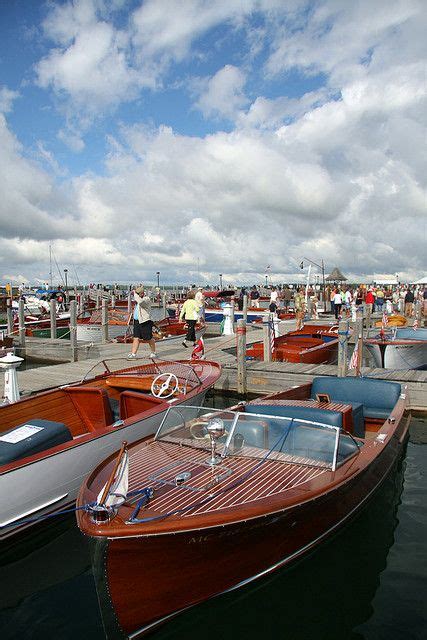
199	137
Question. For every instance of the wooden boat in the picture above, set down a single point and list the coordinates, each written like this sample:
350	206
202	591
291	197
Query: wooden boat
317	344
219	498
49	442
89	325
394	320
404	348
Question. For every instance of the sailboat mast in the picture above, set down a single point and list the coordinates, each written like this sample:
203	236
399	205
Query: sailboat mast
50	264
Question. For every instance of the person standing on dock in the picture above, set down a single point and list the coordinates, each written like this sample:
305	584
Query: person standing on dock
142	323
190	313
200	299
409	303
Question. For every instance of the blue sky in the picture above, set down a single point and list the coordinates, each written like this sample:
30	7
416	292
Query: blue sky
158	135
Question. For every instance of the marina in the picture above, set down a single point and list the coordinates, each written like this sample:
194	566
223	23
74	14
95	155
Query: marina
213	320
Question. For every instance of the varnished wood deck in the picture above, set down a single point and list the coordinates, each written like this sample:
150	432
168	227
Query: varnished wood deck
270	477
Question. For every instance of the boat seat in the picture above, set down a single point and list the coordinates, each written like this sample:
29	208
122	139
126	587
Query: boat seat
93	406
133	402
22	441
377	397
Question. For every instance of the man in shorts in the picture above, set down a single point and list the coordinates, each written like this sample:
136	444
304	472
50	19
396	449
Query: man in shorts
142	323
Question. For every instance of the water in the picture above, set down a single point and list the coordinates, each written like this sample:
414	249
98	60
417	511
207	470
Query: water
367	583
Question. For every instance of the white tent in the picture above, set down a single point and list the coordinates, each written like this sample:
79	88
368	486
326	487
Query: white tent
421	281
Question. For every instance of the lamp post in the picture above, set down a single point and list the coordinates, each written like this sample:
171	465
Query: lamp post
66	285
220	281
158	278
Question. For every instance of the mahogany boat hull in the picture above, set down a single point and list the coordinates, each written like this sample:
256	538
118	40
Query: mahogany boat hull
144	580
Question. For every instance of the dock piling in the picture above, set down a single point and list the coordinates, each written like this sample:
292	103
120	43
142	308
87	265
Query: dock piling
241	357
73	330
104	321
53	333
22	328
9	312
342	348
267	341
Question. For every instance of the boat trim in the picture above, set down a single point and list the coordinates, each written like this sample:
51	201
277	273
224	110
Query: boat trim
39	508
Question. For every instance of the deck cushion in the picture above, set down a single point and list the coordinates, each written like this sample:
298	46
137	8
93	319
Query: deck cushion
22	440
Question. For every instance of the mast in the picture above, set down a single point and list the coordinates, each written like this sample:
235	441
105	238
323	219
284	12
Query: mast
50	264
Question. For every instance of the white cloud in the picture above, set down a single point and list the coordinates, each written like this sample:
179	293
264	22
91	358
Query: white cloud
223	95
337	174
7	98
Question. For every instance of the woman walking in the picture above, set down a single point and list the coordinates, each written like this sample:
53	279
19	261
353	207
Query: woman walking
190	312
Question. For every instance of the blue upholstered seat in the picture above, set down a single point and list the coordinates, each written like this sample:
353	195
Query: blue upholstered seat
42	435
378	397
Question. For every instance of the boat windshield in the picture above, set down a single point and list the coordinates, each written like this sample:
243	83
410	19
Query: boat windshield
260	436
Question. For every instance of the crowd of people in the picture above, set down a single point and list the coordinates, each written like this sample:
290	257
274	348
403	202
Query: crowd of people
341	300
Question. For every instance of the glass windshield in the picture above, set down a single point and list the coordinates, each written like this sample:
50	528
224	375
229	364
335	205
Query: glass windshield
257	436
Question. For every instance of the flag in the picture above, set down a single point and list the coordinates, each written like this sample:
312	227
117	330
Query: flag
354	360
119	487
199	350
384	321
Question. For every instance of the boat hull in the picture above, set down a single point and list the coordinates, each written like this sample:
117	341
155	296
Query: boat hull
50	484
399	355
151	578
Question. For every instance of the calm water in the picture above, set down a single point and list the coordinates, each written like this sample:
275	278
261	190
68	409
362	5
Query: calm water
367	583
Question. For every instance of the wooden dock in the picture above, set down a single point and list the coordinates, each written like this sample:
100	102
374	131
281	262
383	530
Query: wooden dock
262	377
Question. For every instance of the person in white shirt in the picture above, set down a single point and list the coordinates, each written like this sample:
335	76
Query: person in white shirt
337	303
200	299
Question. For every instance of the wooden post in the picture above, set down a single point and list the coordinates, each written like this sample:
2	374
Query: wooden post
358	332
164	304
53	333
129	302
245	308
9	317
98	294
73	330
104	320
113	301
241	357
342	348
267	342
21	329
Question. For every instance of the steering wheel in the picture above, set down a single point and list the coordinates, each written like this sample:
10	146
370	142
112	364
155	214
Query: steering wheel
198	430
164	389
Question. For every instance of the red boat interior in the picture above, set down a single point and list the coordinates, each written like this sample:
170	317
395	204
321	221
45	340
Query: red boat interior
303	346
71	412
